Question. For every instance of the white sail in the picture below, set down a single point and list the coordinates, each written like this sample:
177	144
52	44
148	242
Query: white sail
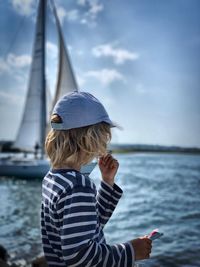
32	128
66	81
33	125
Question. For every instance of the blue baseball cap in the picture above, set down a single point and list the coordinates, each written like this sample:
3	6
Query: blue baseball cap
79	109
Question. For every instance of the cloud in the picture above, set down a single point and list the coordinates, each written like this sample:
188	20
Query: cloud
93	8
10	98
61	13
81	81
94	5
85	15
71	15
81	2
105	76
15	65
3	66
23	7
52	50
119	55
15	61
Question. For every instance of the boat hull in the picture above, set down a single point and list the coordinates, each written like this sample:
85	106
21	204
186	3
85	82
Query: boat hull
32	169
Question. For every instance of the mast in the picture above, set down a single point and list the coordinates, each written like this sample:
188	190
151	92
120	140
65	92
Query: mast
43	80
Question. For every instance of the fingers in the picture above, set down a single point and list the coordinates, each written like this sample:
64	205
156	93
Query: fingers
147	240
113	163
142	248
105	158
147	253
147	246
148	250
109	161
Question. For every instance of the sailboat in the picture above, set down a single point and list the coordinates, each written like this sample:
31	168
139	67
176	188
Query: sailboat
33	127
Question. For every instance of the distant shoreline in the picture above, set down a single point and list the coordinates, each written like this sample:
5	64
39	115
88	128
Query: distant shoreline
6	147
157	151
153	149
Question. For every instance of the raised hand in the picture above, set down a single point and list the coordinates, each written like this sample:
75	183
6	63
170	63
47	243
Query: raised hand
108	166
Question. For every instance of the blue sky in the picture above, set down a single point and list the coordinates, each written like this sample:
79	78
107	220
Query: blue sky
141	58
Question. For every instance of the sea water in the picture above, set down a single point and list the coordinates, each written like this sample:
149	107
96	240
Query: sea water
160	191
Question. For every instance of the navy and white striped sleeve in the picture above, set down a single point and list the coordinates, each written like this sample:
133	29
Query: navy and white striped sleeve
81	235
107	199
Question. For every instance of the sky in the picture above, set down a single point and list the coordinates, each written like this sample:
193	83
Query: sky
141	58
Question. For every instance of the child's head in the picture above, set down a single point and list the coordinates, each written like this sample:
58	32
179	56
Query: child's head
80	130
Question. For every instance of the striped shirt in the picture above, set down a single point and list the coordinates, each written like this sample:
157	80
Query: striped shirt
73	215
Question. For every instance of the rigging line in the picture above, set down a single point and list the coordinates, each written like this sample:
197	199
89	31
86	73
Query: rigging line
14	37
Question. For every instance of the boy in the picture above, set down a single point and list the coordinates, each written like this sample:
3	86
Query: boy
73	213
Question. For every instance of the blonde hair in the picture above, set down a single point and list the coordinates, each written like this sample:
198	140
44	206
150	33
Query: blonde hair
78	145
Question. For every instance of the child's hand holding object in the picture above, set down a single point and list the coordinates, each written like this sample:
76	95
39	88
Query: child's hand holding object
142	247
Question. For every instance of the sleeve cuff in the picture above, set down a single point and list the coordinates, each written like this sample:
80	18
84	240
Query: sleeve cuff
112	189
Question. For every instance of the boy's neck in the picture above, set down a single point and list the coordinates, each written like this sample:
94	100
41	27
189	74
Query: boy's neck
74	167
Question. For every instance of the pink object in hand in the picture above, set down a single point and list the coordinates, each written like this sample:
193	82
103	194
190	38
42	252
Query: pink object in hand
155	234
